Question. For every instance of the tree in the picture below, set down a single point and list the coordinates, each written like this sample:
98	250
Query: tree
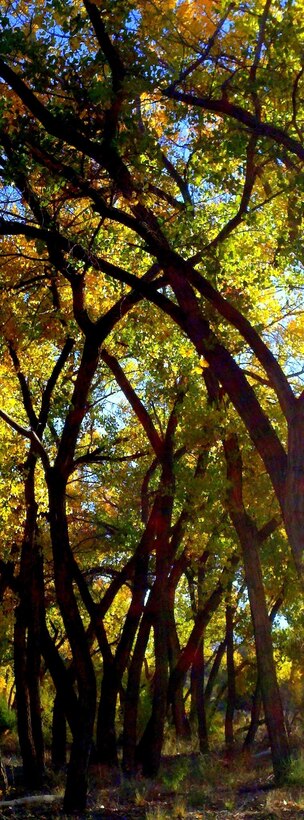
123	153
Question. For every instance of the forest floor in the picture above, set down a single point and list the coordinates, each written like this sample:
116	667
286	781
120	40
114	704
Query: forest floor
188	786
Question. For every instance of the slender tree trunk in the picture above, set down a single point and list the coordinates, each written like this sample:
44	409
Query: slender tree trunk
132	696
181	722
231	693
59	734
250	543
115	667
34	650
293	509
267	673
32	773
27	649
3	776
106	733
198	696
62	678
149	749
256	708
76	785
151	760
257	702
213	674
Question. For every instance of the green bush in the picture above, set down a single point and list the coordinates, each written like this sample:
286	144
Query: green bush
295	773
7	716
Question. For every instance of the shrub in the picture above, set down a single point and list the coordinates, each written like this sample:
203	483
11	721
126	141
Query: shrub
7	716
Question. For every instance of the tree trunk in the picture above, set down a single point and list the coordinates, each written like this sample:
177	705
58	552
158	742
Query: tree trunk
37	613
198	696
150	746
27	649
181	722
293	509
115	667
31	770
76	785
106	734
250	543
62	678
59	735
255	716
267	673
132	696
213	675
152	750
3	777
230	707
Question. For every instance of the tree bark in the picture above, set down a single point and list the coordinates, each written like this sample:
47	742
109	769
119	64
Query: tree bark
198	696
132	696
27	645
31	770
76	785
106	745
257	703
250	542
231	692
59	735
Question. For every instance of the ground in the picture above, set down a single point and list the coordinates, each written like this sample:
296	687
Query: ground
189	786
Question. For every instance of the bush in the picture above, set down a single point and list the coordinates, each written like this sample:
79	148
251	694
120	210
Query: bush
295	774
7	716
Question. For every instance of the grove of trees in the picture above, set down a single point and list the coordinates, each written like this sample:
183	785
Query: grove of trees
152	402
